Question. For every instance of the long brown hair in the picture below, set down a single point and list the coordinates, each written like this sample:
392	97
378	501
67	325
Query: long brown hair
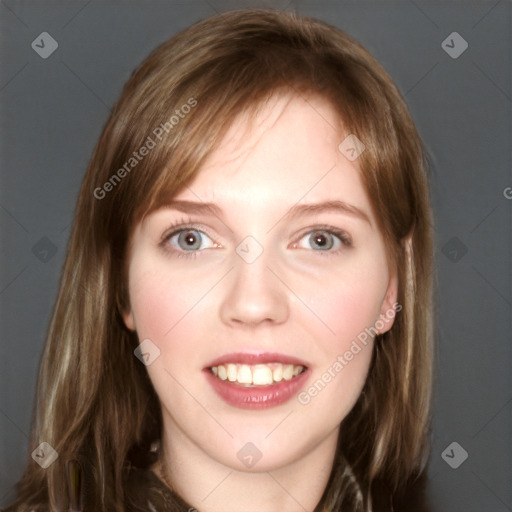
95	402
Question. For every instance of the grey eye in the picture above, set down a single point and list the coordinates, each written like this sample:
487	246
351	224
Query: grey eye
189	239
322	239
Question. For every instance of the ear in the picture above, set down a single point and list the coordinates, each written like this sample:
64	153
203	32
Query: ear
389	306
124	308
128	319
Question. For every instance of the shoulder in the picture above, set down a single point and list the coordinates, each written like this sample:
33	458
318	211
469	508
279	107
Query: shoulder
145	491
411	496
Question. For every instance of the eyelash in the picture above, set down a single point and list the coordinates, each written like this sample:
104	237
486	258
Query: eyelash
185	225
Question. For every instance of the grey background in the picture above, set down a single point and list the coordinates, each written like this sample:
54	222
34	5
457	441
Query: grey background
53	111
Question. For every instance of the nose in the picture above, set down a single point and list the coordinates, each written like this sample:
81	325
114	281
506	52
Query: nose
254	295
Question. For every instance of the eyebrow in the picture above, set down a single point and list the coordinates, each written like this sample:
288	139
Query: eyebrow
299	210
328	207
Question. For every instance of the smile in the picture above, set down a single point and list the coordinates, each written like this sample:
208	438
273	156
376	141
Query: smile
258	374
256	381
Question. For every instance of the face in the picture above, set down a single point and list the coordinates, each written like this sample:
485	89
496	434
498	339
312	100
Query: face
263	311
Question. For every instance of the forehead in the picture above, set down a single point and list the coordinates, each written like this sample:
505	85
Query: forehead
286	154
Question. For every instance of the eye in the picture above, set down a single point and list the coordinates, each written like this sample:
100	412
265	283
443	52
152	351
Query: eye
324	240
186	241
190	239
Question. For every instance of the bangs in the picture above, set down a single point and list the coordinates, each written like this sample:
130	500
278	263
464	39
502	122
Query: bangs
249	79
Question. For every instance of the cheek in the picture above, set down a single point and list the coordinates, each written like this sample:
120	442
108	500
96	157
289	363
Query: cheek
343	352
163	306
349	303
157	301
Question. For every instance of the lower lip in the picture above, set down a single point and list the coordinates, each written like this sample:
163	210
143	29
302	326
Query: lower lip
258	397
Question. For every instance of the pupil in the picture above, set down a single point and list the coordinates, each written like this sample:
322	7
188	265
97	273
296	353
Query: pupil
190	239
320	240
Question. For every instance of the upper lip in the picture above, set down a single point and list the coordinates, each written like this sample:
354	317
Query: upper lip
251	358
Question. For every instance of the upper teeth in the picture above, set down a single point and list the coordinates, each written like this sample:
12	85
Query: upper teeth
258	374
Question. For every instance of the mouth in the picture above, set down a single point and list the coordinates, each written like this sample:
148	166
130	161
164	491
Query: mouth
258	374
256	381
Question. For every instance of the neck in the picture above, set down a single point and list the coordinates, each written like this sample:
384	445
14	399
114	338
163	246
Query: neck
210	486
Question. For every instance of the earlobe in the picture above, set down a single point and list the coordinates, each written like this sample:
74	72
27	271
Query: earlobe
390	306
125	311
129	320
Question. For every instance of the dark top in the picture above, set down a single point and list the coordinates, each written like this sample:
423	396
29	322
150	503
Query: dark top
149	493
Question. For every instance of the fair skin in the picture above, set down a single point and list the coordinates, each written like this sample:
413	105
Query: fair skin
304	297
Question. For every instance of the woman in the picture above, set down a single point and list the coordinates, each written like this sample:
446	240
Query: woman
244	317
